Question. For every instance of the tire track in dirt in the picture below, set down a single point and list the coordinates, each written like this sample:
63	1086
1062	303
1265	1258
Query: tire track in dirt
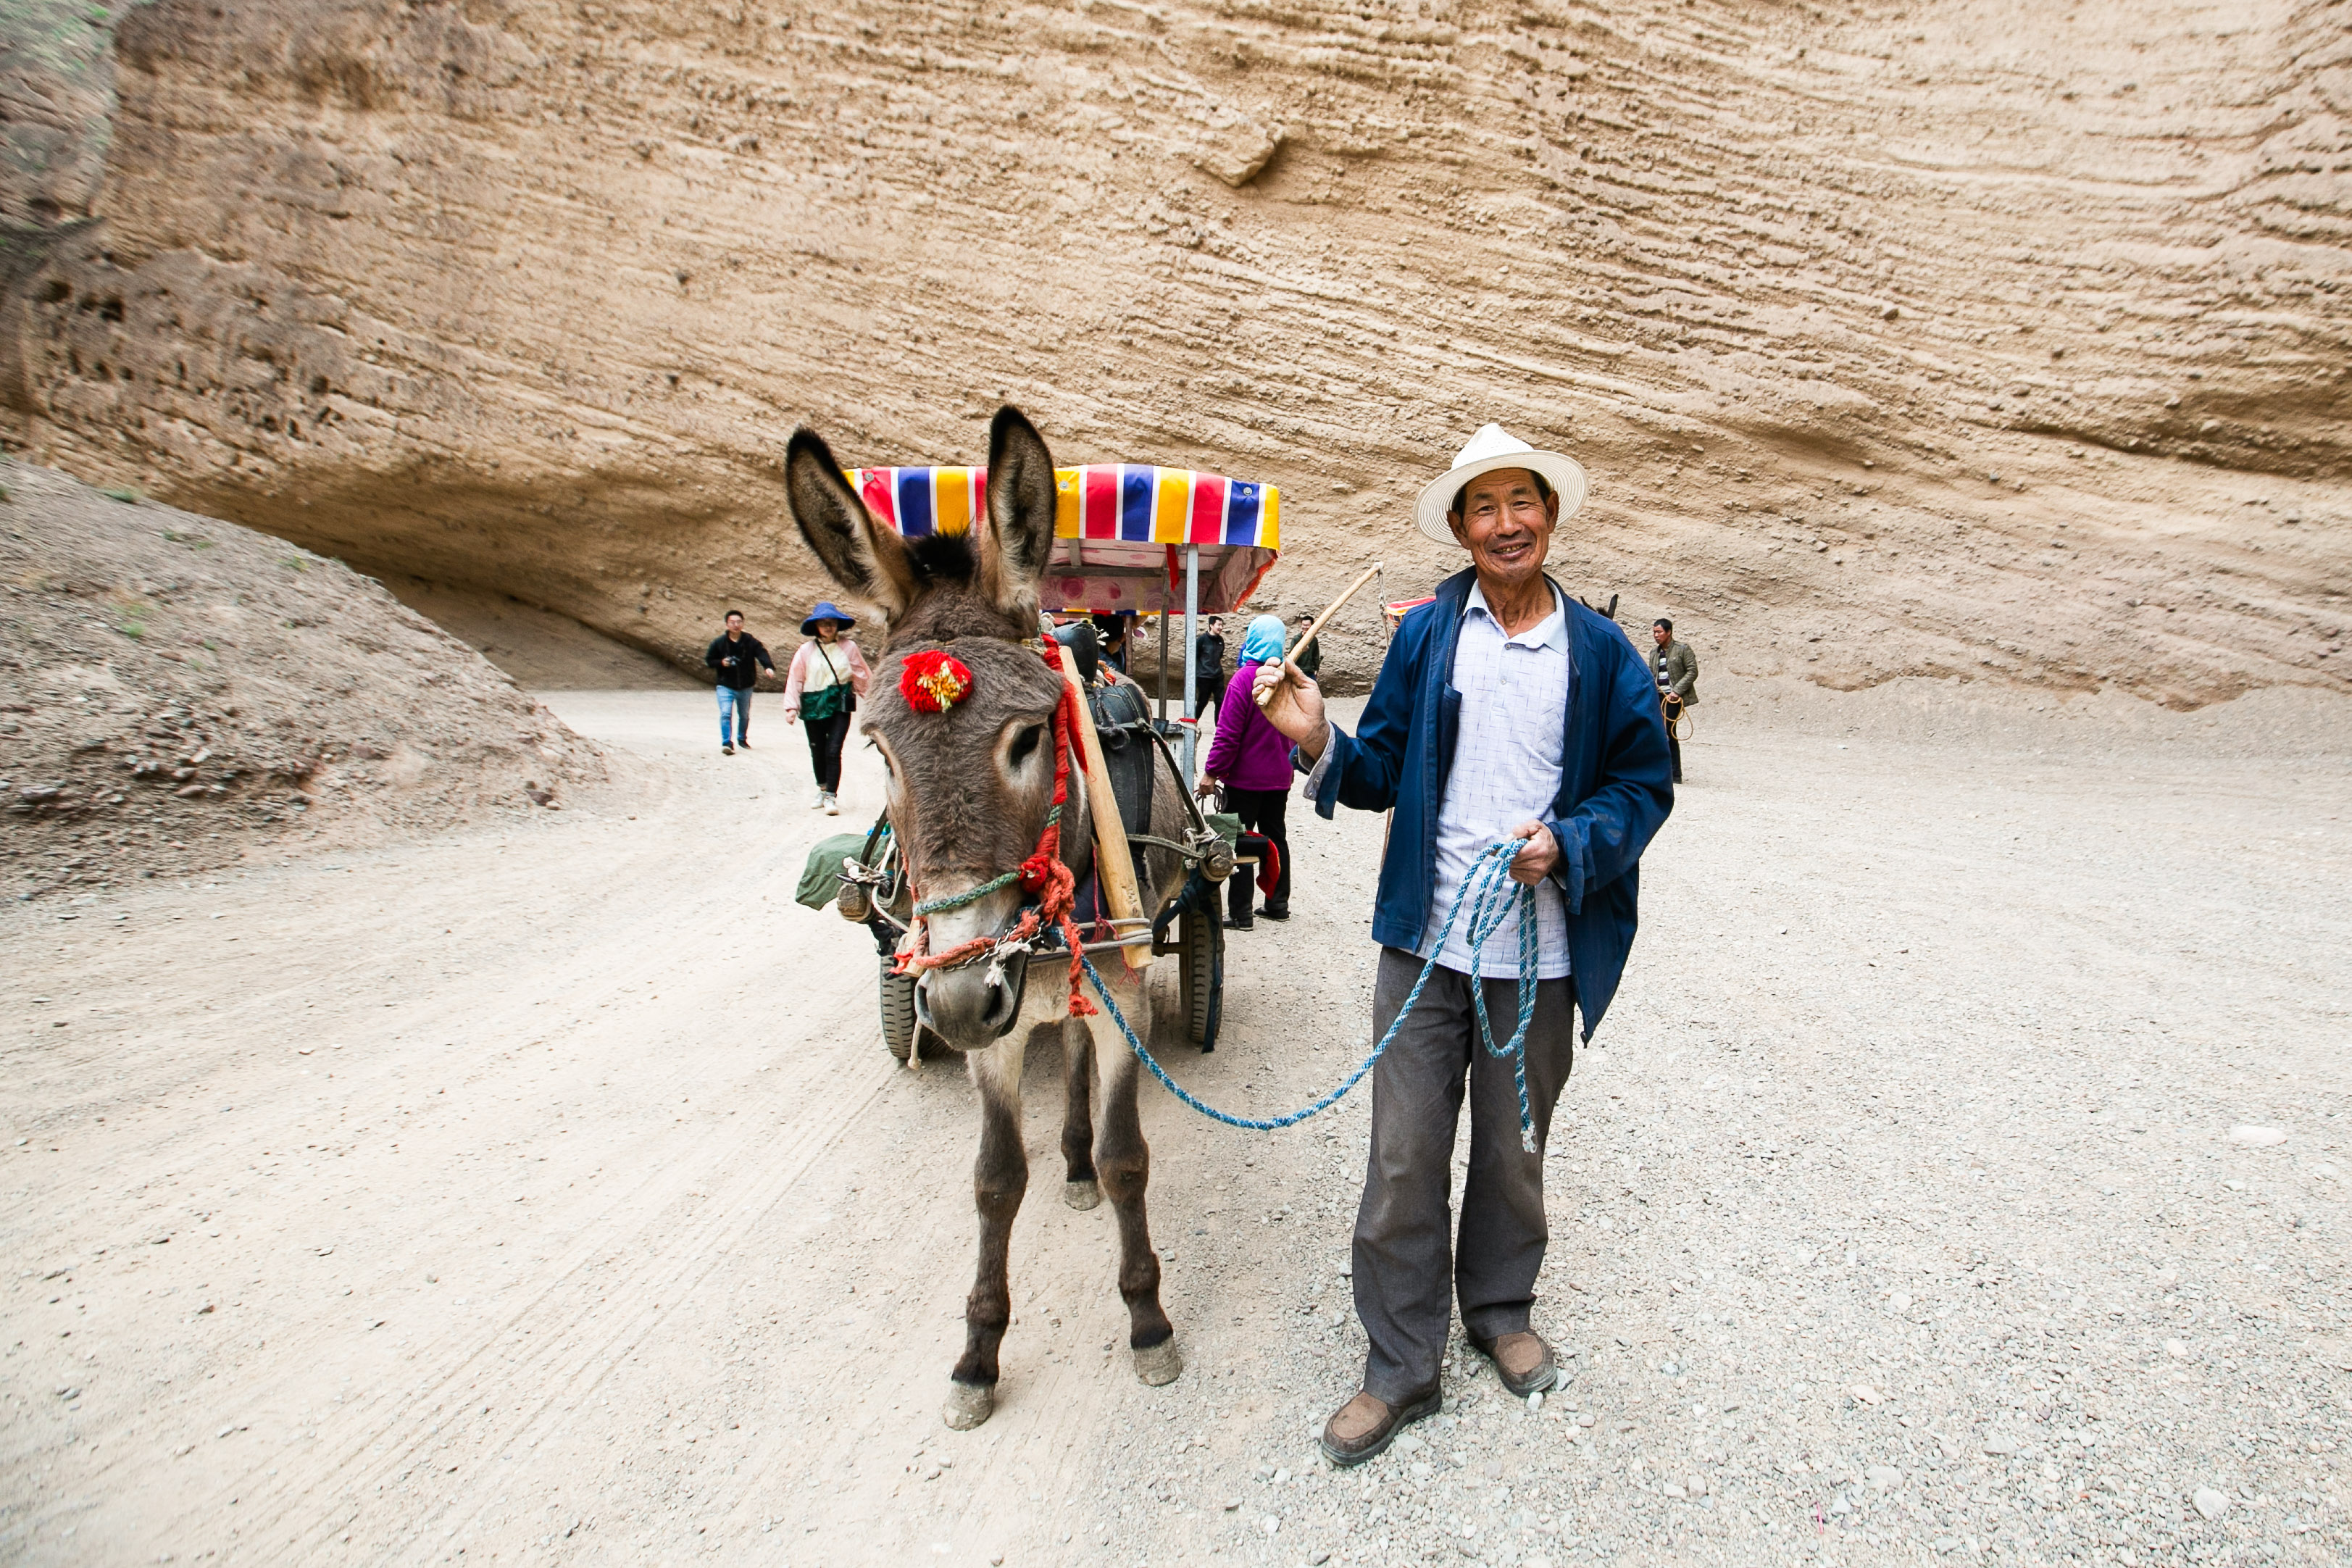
574	1341
663	927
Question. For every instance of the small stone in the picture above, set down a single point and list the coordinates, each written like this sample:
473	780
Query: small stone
1672	1491
1697	1485
2175	1349
1229	1504
1237	152
2210	1503
1409	1444
1535	1400
1900	1301
1318	1559
2002	1445
2258	1137
1865	1392
1272	1522
1883	1477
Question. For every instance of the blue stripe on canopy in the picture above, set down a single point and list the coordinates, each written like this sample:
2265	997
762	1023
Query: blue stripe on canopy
913	502
1242	503
1136	494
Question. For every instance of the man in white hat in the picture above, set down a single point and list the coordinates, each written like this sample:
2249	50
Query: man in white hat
1505	710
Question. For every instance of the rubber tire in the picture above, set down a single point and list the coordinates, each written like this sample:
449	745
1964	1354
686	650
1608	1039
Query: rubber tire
898	1021
1201	975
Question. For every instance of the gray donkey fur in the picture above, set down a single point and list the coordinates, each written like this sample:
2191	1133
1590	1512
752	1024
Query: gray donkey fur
969	790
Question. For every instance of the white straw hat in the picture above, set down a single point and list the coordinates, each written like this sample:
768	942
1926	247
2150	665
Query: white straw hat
1495	447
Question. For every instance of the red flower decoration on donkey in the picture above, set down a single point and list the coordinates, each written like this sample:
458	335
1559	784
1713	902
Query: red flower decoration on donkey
933	682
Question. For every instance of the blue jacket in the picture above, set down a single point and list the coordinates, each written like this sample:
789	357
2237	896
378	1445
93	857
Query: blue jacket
1616	782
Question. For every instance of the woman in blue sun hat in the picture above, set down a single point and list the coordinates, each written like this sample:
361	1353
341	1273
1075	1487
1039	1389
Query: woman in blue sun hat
828	677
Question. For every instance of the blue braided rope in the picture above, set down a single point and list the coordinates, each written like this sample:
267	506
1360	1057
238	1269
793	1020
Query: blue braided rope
973	895
1491	896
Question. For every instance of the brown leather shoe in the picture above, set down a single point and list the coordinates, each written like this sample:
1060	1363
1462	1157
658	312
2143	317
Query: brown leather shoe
1522	1361
1366	1426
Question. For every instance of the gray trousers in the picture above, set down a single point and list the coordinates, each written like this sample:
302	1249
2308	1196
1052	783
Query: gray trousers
1402	1228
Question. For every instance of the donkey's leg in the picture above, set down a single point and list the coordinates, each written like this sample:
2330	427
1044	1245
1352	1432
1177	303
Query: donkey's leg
998	1179
1079	1189
1125	1161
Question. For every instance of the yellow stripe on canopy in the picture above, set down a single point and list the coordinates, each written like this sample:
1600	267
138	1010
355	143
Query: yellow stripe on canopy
1172	506
952	500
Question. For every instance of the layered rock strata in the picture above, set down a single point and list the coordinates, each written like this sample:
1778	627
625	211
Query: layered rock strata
1978	340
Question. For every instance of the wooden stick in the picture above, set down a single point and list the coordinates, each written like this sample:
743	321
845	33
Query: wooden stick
1111	858
1291	673
1332	609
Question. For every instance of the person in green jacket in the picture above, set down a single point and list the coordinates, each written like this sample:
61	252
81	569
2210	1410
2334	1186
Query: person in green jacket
1675	669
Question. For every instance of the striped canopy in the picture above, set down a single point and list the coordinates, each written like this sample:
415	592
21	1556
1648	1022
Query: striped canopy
1119	531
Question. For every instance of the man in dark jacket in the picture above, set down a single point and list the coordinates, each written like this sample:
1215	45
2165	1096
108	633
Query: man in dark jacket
737	658
1505	710
1209	670
1309	657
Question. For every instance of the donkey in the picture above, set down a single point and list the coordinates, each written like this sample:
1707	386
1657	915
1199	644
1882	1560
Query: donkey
970	789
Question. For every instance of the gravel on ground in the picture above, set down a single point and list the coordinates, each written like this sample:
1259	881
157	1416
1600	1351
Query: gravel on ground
1960	1177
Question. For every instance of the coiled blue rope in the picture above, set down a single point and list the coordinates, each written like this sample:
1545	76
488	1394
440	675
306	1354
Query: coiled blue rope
1491	896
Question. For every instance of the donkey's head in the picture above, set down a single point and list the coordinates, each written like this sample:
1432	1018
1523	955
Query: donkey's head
971	785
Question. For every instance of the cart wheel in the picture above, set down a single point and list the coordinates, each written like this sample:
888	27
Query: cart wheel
1200	966
898	1021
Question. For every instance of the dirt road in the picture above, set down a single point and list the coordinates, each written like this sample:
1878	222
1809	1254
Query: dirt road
543	1194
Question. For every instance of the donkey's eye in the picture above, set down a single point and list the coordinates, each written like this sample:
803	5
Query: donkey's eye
1025	742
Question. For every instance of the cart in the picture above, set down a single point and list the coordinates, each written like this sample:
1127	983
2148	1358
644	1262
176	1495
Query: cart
1129	537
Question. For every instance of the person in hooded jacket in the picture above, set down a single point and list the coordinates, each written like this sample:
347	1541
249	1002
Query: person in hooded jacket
1250	760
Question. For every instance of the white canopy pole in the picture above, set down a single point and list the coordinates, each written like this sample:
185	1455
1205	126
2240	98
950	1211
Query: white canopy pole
1192	660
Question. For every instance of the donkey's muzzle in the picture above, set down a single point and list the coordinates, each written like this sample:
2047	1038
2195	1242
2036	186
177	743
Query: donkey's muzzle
972	1007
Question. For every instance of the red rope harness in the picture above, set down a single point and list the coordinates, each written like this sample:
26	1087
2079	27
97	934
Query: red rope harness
1042	873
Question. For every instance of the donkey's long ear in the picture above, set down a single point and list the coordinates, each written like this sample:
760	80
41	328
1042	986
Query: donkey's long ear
864	557
1021	507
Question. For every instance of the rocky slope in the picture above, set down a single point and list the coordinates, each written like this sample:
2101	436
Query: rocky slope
178	694
1976	338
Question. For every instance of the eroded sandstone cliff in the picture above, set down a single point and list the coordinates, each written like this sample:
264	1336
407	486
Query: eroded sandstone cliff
1975	337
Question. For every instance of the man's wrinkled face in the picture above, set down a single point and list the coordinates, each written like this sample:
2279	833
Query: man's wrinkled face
1505	522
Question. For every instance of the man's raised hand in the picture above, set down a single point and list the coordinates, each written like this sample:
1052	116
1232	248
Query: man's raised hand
1293	704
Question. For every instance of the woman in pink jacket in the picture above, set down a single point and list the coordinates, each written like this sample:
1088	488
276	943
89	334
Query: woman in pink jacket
828	677
1251	761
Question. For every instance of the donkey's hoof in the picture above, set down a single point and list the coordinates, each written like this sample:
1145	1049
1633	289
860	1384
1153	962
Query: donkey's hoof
1081	1195
967	1406
1159	1363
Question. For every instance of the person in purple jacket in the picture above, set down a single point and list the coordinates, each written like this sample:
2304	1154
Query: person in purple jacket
1252	760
